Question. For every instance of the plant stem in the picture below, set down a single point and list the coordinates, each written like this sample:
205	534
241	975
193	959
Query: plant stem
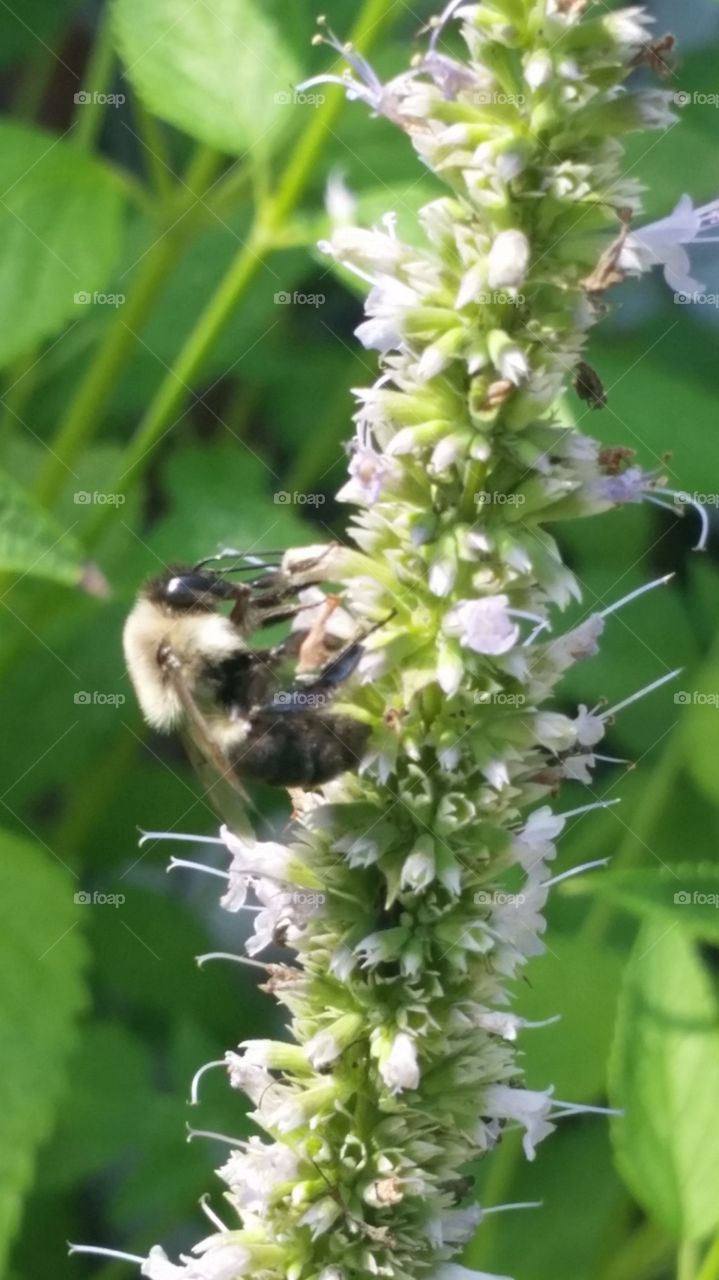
687	1259
644	822
710	1266
154	152
82	416
84	412
645	1253
174	389
97	76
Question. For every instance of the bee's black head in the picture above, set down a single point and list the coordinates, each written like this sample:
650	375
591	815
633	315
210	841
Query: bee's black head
184	590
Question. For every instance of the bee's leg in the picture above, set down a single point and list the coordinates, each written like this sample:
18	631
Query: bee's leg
301	698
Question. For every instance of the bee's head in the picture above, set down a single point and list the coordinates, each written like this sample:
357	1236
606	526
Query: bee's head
185	590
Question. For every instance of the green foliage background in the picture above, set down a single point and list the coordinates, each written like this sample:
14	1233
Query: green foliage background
192	397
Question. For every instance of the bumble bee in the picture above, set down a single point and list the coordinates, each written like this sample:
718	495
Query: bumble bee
193	670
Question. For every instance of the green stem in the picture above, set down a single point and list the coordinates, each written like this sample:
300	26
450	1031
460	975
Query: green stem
98	75
658	789
710	1266
506	1161
154	152
84	412
22	379
32	85
174	389
687	1259
646	1253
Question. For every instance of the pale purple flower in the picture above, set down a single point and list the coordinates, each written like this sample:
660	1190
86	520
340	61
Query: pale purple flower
486	625
662	243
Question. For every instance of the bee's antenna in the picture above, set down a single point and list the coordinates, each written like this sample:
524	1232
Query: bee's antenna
252	559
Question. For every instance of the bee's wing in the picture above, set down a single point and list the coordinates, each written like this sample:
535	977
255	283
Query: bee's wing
223	788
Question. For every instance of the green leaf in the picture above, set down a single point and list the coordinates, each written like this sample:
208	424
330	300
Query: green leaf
700	727
31	541
219	72
685	893
224	496
580	1220
42	957
665	1077
580	981
60	221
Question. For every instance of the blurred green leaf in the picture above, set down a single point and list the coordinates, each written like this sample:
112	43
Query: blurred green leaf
60	223
42	994
220	72
665	1078
108	1105
685	894
700	728
31	541
220	496
578	1219
580	981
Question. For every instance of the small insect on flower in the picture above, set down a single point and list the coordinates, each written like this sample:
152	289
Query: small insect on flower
589	386
194	671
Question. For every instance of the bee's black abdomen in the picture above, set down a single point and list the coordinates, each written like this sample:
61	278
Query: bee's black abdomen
299	750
